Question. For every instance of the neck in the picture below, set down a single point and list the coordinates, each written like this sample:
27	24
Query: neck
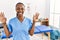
21	18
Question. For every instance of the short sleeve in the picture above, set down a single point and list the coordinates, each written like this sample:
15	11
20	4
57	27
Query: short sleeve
30	24
9	26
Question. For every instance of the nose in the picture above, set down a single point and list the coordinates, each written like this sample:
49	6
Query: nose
20	11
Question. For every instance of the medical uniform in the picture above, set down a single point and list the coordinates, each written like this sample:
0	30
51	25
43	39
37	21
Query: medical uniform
20	30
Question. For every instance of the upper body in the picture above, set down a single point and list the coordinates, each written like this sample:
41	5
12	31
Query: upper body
21	26
20	30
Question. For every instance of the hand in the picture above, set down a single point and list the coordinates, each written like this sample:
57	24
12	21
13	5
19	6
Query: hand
2	18
35	17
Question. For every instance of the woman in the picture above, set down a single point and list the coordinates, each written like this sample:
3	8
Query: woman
20	27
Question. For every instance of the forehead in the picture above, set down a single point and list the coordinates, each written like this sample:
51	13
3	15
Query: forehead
20	5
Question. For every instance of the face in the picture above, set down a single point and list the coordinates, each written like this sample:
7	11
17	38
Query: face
20	9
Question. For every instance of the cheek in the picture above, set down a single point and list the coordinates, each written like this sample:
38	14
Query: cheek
23	10
17	10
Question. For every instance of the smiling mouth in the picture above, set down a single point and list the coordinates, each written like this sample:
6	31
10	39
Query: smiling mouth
20	13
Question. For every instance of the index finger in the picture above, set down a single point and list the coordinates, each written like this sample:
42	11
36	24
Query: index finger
1	14
37	14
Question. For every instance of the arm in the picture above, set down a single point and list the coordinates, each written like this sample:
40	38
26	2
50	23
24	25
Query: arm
3	20
6	30
31	31
35	17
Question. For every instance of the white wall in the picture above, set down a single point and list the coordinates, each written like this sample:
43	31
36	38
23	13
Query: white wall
55	13
41	6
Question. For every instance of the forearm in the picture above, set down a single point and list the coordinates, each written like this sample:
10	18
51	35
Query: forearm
32	29
6	30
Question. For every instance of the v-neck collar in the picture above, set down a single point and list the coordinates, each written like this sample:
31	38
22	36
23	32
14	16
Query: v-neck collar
20	21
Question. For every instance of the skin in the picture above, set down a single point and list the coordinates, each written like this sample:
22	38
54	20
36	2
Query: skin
20	11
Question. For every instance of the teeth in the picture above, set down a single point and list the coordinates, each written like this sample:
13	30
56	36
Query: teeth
20	13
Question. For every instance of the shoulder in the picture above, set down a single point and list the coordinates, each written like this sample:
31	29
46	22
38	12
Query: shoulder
27	19
12	19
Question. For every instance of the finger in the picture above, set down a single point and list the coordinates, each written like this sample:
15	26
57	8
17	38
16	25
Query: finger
1	14
6	19
33	15
37	14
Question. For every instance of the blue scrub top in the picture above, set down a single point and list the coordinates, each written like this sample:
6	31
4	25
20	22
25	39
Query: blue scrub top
20	30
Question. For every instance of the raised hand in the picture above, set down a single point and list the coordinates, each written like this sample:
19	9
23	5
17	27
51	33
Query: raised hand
35	17
2	17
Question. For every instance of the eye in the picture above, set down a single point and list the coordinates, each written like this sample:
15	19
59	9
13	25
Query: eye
19	8
22	8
